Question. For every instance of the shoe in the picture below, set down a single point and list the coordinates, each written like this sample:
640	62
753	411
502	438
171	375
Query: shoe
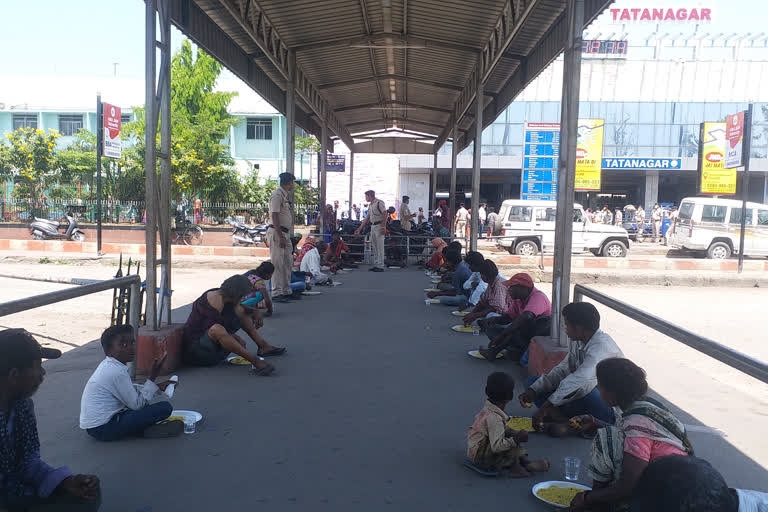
295	296
164	429
377	269
282	298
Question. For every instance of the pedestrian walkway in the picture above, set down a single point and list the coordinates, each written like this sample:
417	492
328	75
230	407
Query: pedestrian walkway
368	411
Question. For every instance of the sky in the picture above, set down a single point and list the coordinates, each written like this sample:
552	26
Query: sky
86	37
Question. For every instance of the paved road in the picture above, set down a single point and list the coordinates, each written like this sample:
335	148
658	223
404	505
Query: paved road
369	411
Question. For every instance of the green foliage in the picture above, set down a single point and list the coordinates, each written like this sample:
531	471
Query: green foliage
29	156
78	160
304	194
256	192
304	145
200	121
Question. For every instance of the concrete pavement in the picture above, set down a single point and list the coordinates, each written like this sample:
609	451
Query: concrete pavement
369	411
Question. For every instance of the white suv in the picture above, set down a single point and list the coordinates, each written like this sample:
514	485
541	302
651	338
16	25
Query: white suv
528	224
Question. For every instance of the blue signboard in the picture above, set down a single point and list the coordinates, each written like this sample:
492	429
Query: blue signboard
642	163
541	150
333	163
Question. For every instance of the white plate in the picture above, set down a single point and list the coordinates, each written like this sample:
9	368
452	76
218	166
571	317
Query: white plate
459	313
231	360
556	483
476	355
463	328
311	293
436	281
431	301
194	415
431	290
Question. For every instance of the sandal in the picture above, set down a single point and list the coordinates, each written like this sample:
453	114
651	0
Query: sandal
276	351
477	469
264	371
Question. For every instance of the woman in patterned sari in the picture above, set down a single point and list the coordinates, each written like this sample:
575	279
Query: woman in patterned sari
644	431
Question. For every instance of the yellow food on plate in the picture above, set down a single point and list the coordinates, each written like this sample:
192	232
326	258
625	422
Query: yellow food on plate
462	328
575	423
560	495
520	423
460	313
527	405
175	418
238	360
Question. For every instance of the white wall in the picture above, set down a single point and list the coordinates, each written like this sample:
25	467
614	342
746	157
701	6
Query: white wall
372	171
415	186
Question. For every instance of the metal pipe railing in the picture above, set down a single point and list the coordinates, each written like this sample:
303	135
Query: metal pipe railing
732	358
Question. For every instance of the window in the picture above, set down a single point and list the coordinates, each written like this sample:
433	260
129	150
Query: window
686	211
762	217
736	216
578	215
69	124
519	214
713	213
546	214
125	118
24	121
259	129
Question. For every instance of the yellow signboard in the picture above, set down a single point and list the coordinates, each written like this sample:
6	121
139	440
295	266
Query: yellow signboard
589	154
715	179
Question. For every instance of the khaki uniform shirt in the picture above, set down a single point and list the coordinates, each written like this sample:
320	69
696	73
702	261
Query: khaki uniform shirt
280	203
405	217
377	212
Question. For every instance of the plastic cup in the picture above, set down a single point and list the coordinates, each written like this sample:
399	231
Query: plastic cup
475	331
571	468
189	426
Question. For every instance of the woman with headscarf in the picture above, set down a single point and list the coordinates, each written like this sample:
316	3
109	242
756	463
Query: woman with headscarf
437	257
309	244
645	430
445	218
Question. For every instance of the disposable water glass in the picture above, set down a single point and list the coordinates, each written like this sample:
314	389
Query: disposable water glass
572	465
189	426
475	331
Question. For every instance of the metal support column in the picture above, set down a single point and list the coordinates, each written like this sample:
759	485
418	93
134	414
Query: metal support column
569	117
99	150
454	156
164	218
150	229
322	176
433	198
746	153
290	114
351	182
477	160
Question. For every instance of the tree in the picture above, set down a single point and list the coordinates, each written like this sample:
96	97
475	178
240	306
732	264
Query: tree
200	121
306	146
30	157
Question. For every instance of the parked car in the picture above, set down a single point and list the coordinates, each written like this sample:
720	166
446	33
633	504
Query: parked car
529	227
713	226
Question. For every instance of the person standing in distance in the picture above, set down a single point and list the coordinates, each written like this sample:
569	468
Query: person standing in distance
406	217
377	218
278	236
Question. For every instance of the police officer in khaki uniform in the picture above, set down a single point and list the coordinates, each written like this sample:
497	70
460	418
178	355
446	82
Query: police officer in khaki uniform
377	218
278	236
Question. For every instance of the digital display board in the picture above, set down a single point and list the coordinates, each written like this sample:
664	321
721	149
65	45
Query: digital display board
599	48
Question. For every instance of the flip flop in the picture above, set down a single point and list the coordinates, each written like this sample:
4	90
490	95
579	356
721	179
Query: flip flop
264	371
477	469
276	351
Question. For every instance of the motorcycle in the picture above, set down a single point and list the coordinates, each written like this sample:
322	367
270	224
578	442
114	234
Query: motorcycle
44	229
243	234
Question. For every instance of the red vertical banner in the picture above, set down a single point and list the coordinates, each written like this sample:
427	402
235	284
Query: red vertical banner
112	143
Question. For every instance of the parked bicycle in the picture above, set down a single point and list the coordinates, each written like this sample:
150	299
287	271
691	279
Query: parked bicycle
187	232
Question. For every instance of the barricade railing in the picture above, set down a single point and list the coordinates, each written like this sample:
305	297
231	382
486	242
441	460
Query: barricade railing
726	355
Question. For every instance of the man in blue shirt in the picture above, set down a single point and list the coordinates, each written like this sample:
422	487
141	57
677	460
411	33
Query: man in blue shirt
458	295
26	482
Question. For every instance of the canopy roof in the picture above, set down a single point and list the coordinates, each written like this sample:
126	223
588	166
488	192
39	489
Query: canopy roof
392	69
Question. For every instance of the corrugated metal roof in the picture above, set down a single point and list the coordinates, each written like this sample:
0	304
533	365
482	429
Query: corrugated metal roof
374	52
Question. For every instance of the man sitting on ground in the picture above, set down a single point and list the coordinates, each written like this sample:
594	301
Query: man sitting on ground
337	255
570	388
26	482
457	295
209	334
495	300
113	407
527	316
311	265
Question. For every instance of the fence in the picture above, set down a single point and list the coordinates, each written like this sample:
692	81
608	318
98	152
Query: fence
732	358
129	212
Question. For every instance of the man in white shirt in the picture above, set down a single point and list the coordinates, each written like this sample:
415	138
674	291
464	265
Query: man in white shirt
570	388
112	406
406	217
483	217
311	264
460	226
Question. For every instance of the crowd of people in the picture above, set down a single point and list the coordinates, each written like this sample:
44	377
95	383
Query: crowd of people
637	216
594	392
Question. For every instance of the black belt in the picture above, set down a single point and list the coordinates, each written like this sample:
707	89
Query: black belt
376	223
284	230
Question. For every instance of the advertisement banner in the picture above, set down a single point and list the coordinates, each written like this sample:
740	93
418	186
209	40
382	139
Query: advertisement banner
715	178
112	144
734	140
589	154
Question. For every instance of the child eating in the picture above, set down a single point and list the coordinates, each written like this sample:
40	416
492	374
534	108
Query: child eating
491	446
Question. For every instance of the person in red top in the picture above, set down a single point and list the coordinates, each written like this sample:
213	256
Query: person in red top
528	315
337	255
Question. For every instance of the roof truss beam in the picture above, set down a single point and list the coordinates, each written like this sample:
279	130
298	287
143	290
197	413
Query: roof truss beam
378	39
385	104
253	20
371	79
